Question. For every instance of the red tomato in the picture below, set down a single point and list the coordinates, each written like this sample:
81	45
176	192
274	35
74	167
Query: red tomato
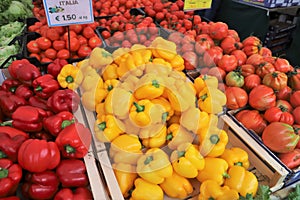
295	99
277	114
280	137
282	65
284	93
63	54
240	56
33	47
43	43
276	80
95	42
203	43
265	52
247	69
262	97
51	53
284	105
52	34
66	34
228	63
88	32
251	82
264	68
217	72
252	120
212	56
105	34
190	60
77	28
236	97
296	114
218	30
255	60
291	159
46	60
74	44
84	51
294	78
59	44
229	44
35	55
251	45
82	40
60	29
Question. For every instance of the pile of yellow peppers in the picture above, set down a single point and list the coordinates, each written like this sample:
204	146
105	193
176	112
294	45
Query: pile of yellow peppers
163	129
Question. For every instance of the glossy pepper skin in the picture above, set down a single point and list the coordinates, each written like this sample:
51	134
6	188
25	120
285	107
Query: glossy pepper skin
210	189
177	135
74	140
10	198
63	100
54	67
213	141
27	73
15	66
72	173
28	118
241	180
24	91
107	128
9	146
177	186
38	102
79	193
168	110
200	120
55	123
12	132
45	85
10	102
125	175
154	166
70	77
163	48
145	190
42	185
38	155
10	177
10	85
214	169
154	135
236	156
187	160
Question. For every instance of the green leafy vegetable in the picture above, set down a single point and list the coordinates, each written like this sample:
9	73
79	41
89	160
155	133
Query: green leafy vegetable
16	10
295	195
263	193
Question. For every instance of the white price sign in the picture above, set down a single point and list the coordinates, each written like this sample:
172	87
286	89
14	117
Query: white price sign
64	13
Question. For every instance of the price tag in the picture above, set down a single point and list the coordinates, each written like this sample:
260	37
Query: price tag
196	4
64	13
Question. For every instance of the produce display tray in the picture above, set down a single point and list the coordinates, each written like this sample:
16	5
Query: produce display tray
291	176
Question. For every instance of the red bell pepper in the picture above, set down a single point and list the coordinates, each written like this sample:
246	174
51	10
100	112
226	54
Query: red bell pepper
55	67
55	123
12	132
72	173
44	86
38	155
15	66
10	198
64	100
38	102
41	185
10	102
28	118
291	159
10	176
27	73
74	141
42	135
10	85
79	193
9	146
24	91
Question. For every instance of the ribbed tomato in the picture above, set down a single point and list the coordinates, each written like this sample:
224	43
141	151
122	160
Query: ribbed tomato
262	97
276	80
236	97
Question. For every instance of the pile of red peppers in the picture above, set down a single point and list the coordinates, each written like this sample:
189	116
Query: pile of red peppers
42	144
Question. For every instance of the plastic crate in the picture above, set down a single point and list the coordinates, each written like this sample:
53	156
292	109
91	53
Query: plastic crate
265	3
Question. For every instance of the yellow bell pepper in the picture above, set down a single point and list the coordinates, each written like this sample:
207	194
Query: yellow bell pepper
125	175
130	127
150	86
168	111
214	169
99	58
110	84
211	100
100	109
187	160
199	122
128	82
154	135
175	119
177	186
162	48
203	81
133	60
145	190
158	66
94	96
236	156
84	66
143	113
177	101
125	148
213	141
177	135
91	77
210	189
70	77
154	166
120	54
107	128
177	63
109	72
241	180
118	102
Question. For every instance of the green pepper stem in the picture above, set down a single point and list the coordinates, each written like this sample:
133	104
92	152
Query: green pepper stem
225	175
69	149
148	160
139	108
180	154
7	123
69	79
110	87
66	123
239	164
211	198
214	139
164	116
2	155
38	88
3	173
203	97
169	136
13	89
102	126
155	83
